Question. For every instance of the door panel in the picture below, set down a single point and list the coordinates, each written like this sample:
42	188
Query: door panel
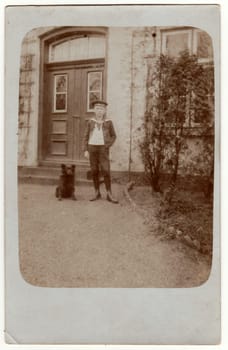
68	99
58	112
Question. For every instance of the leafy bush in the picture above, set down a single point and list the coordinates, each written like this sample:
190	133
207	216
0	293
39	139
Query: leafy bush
180	95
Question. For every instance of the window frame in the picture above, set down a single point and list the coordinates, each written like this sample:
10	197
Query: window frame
60	93
192	47
67	40
88	91
195	44
167	32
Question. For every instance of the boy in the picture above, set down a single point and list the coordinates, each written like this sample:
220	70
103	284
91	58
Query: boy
99	137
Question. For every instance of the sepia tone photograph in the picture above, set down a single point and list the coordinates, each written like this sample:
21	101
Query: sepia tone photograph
112	168
116	156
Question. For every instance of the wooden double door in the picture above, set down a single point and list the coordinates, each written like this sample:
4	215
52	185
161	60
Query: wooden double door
69	92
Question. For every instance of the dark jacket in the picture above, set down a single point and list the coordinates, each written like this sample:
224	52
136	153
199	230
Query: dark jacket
108	132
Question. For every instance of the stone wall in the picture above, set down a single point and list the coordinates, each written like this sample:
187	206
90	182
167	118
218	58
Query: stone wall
29	98
144	48
128	52
119	93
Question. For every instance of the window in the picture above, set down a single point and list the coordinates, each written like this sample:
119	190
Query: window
206	98
94	88
60	93
194	40
82	47
198	108
173	42
202	46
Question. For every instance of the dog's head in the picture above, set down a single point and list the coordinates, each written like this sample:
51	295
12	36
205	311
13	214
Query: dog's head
68	169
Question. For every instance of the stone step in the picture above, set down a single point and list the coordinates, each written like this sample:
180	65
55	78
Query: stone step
50	175
50	171
48	180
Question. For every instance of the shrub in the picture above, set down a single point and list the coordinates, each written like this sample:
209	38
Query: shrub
180	96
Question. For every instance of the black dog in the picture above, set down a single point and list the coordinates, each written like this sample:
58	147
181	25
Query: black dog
66	183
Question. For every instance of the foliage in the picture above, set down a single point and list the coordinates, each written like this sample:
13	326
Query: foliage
180	96
190	212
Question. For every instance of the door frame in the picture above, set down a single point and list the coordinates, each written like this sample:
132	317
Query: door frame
71	116
45	40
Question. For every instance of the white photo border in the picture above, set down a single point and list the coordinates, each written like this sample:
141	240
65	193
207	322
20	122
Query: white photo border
104	316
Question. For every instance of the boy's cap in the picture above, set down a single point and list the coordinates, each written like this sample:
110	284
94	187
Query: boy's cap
100	102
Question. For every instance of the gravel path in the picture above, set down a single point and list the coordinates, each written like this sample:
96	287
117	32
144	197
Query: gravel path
97	244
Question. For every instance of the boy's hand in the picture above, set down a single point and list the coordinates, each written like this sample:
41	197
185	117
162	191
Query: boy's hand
86	154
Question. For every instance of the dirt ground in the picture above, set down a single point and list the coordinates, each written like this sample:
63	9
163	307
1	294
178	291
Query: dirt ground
98	244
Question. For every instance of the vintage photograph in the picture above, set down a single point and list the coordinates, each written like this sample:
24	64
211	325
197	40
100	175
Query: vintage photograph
112	174
116	157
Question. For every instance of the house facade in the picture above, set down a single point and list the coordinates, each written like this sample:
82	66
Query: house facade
64	69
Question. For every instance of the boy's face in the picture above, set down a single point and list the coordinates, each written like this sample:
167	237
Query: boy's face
99	110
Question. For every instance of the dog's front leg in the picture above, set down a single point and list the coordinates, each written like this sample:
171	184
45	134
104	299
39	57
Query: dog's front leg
59	193
73	195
